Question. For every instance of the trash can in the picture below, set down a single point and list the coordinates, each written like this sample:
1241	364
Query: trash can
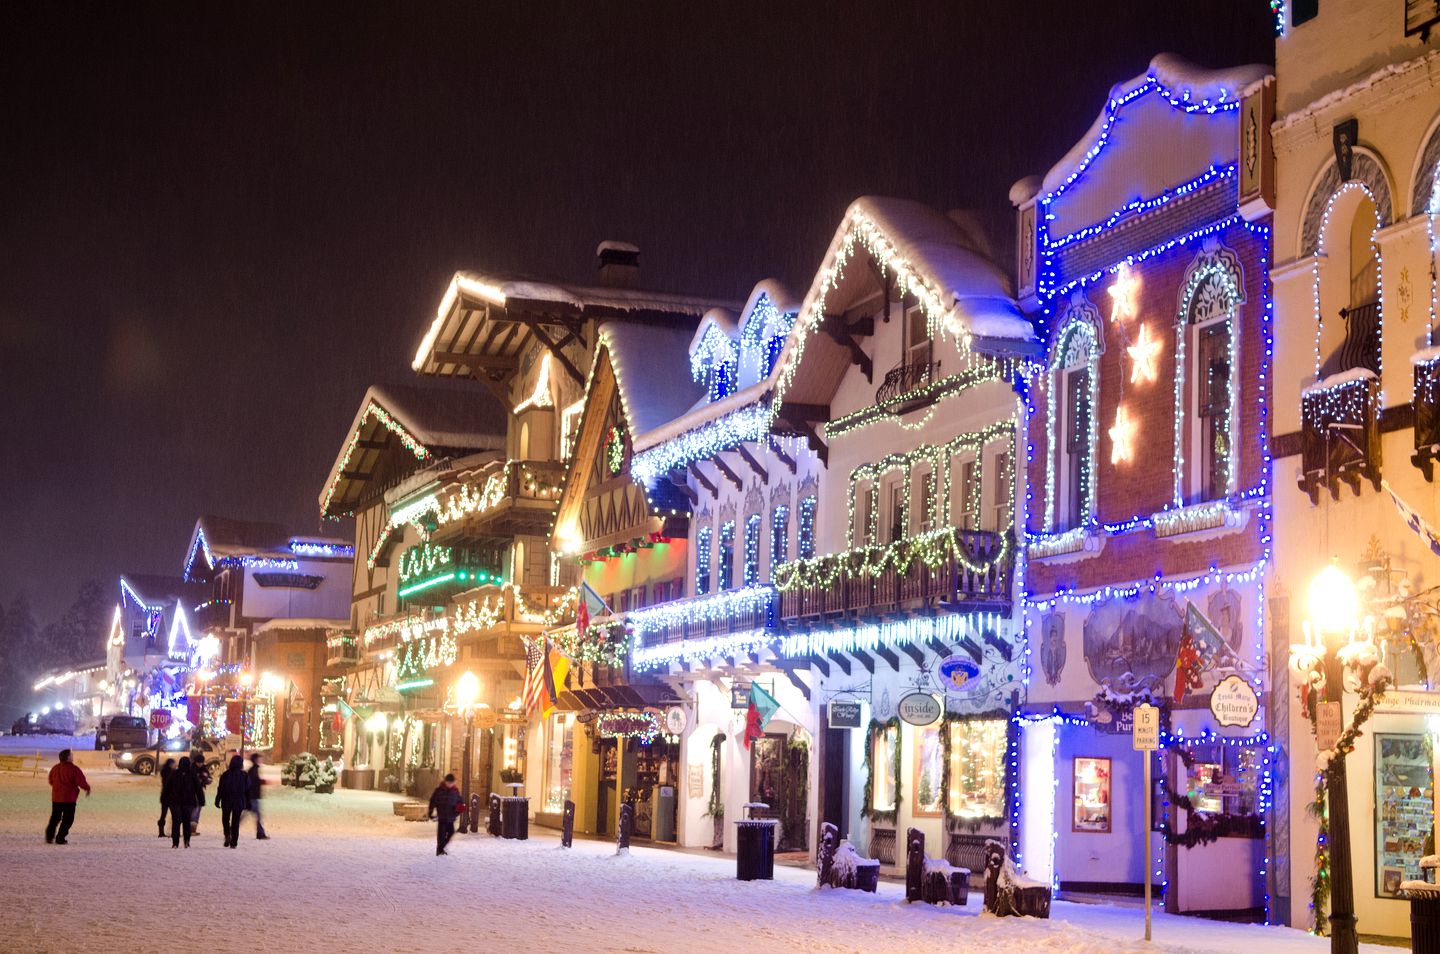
515	817
755	849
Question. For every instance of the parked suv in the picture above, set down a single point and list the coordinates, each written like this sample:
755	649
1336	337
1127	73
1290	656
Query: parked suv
142	761
121	732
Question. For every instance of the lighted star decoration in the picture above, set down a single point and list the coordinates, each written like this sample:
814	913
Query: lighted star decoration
1145	352
1122	436
1125	293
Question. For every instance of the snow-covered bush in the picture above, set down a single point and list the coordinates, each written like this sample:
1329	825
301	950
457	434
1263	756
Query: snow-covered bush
306	771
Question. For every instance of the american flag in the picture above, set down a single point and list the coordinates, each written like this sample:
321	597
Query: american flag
534	690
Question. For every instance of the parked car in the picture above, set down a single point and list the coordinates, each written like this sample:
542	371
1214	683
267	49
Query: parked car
121	732
54	722
142	761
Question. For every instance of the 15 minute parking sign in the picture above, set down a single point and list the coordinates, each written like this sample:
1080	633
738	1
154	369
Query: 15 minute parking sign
1146	737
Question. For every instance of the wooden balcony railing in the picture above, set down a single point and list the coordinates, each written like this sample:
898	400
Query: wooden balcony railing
1340	437
947	569
702	617
341	648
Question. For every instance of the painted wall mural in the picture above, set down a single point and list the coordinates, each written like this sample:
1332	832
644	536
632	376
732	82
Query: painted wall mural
1131	644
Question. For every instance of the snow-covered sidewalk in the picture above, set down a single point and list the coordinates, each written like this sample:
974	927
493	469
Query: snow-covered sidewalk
342	873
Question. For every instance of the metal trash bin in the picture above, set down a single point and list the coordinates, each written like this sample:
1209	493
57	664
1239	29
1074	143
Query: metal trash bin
755	849
515	817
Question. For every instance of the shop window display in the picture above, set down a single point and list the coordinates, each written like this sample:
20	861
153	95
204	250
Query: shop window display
929	771
559	761
1091	795
977	768
882	778
1404	809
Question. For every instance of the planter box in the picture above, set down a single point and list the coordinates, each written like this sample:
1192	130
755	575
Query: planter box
362	779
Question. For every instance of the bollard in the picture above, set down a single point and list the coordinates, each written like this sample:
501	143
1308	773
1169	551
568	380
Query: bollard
567	825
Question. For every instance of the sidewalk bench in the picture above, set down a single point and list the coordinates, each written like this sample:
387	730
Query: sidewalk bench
1007	891
932	880
839	865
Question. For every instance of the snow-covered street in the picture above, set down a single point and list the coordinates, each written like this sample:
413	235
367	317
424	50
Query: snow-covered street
342	873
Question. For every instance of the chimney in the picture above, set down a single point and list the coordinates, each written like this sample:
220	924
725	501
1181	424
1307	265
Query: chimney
619	264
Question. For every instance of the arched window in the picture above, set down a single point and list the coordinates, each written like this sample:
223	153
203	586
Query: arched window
805	533
779	536
1071	403
751	569
1207	345
725	568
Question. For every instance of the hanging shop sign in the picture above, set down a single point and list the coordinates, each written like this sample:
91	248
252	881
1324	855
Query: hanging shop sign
1234	702
625	725
485	718
919	708
844	714
739	695
512	717
956	672
676	720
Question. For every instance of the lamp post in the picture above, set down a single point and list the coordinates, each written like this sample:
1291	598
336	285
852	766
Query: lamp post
1335	618
467	691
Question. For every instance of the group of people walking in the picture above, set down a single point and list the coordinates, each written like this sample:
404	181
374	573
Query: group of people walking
182	796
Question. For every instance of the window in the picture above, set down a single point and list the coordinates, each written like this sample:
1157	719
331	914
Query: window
1000	508
1302	11
726	568
929	775
923	520
1404	797
779	536
977	768
751	570
895	498
559	761
805	542
963	488
882	769
1213	420
1076	449
702	561
917	342
863	494
1091	795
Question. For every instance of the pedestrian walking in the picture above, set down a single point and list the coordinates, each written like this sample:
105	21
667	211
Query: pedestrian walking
252	795
231	794
181	793
66	780
165	771
445	804
202	780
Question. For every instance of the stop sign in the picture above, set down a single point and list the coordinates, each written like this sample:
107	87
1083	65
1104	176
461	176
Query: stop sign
160	719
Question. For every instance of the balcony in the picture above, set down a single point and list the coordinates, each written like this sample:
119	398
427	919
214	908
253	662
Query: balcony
712	616
1427	411
1340	436
901	380
519	498
341	649
950	569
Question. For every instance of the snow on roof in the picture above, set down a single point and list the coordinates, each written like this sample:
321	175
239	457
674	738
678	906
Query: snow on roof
611	245
722	319
302	623
939	250
1182	79
652	371
1024	190
225	535
428	420
781	296
499	290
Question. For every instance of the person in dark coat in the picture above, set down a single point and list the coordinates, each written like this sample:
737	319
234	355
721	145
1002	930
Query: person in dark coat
165	771
181	794
231	794
66	780
252	795
202	780
445	804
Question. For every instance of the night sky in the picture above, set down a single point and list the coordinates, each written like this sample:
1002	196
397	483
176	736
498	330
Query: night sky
220	222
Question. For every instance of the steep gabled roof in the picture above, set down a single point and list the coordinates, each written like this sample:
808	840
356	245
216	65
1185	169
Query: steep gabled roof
930	257
416	424
652	370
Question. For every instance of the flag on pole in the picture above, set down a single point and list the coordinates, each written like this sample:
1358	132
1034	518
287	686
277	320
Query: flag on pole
343	712
761	710
534	686
557	666
1413	520
1200	647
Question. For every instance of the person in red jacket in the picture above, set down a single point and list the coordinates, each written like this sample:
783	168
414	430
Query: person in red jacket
66	780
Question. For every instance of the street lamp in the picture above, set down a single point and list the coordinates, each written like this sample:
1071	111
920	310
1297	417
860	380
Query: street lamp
1334	621
467	691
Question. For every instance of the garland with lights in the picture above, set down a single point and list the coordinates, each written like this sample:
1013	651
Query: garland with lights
868	809
605	643
933	549
375	411
716	808
749	423
989	369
